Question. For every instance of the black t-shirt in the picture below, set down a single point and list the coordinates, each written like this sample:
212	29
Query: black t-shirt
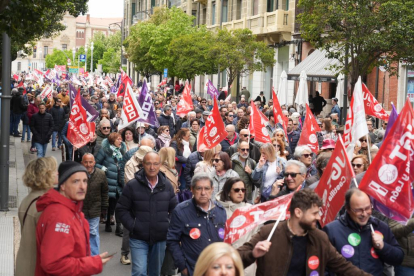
298	262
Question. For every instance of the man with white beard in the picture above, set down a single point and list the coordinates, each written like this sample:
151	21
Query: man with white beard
244	166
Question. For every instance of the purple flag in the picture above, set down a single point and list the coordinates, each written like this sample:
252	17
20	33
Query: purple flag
212	90
90	111
147	106
390	213
118	83
56	80
391	120
113	89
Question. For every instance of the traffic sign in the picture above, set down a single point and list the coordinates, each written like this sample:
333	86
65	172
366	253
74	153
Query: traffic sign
82	58
165	72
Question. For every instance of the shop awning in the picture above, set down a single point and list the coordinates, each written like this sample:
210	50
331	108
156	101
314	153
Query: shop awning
316	66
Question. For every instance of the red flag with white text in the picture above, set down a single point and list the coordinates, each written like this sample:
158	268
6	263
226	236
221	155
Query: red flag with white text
258	125
334	183
185	104
131	110
245	219
389	177
372	106
46	92
123	86
80	131
308	135
213	132
278	114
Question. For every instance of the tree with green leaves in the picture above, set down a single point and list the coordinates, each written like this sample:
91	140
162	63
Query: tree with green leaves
191	54
366	33
148	42
58	57
26	21
240	53
111	61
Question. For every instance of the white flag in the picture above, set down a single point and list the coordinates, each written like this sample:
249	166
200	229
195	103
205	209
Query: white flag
131	110
46	93
359	122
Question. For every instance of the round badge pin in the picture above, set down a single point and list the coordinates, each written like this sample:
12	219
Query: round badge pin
195	233
221	233
347	251
354	239
313	262
373	253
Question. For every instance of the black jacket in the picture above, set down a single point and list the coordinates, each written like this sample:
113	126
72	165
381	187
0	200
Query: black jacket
293	140
143	212
18	104
179	158
165	120
58	115
192	161
41	126
88	148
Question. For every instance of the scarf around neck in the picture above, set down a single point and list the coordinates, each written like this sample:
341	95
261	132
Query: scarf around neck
116	153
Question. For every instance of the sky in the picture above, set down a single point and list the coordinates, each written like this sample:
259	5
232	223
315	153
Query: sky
106	8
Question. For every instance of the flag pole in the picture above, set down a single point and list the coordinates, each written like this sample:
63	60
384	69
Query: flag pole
274	226
369	149
356	183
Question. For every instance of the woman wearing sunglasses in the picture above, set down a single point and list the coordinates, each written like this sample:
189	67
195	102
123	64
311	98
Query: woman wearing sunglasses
364	146
304	154
279	134
233	197
222	171
164	139
359	164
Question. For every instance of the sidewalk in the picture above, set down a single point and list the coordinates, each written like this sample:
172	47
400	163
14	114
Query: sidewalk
9	222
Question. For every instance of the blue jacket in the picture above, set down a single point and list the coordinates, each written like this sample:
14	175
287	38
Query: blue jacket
188	218
293	140
192	161
339	233
336	109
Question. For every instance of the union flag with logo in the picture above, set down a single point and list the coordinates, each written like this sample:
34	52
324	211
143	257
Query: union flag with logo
80	131
278	114
185	104
372	106
213	132
310	127
258	125
390	176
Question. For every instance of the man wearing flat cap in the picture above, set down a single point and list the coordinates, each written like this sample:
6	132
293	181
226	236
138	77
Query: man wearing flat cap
62	233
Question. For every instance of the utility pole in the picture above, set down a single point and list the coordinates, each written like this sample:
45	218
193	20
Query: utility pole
5	123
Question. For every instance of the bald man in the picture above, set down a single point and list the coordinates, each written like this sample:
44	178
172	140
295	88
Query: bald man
231	139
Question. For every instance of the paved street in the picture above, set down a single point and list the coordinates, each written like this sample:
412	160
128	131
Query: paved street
109	242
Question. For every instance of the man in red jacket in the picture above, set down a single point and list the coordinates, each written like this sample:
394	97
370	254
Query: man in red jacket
62	233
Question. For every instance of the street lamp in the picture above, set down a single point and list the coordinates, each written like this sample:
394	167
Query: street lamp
91	56
86	56
40	59
120	25
73	55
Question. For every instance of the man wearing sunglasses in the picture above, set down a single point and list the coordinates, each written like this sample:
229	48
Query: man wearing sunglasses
254	151
292	135
294	176
244	166
103	131
352	235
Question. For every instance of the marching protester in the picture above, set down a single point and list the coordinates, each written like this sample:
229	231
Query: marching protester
63	223
222	171
41	125
148	199
195	224
358	235
297	247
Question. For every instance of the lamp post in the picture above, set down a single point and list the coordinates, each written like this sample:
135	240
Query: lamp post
86	56
91	56
120	25
73	55
40	59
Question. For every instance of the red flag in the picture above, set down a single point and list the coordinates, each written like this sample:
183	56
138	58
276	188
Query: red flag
278	114
108	79
163	82
347	138
389	177
213	132
247	218
185	104
258	125
310	127
334	183
122	87
372	107
46	92
16	77
80	131
21	84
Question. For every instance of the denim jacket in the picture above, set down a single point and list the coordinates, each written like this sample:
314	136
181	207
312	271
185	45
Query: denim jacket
260	173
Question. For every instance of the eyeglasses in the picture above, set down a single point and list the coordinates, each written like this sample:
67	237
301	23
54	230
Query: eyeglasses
295	124
307	155
279	135
293	175
106	127
157	103
360	211
247	135
216	160
357	165
230	115
363	141
244	149
203	102
199	189
276	146
238	190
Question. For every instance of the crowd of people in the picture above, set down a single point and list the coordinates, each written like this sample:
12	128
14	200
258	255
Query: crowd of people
170	202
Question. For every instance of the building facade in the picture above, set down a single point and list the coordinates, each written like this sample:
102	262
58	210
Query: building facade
79	31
